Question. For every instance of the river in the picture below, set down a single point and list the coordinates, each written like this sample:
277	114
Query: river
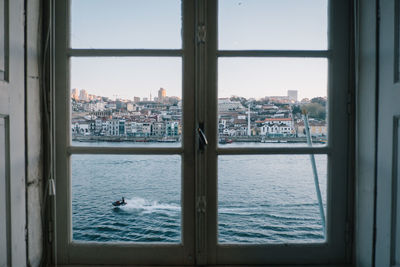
261	198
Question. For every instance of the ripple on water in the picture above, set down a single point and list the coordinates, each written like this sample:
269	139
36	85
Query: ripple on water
284	212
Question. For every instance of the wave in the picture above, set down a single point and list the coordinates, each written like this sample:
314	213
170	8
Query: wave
145	206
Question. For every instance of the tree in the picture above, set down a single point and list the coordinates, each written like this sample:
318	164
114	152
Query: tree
319	100
315	110
296	109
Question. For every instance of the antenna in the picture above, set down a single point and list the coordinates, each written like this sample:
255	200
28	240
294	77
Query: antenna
248	122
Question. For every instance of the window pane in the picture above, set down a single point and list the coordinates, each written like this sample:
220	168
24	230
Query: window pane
273	24
126	24
270	199
133	101
150	185
260	100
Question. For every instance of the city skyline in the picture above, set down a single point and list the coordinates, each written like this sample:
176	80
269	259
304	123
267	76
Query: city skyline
79	94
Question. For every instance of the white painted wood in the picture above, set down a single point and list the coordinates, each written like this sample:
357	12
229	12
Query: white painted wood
2	39
125	52
365	132
201	162
66	250
12	106
395	242
274	53
335	249
273	150
5	249
124	150
200	106
389	108
33	135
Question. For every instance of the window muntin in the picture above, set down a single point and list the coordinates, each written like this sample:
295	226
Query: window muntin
154	24
273	25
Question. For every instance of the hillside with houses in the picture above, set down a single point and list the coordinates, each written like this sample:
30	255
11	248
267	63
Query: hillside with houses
160	118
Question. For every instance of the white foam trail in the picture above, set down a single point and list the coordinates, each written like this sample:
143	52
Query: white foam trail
145	206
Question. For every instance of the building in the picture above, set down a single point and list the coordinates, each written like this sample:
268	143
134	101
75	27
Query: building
162	94
225	104
83	95
75	94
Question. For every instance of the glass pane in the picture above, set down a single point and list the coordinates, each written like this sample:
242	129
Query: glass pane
126	24
260	101
273	24
270	199
150	186
132	101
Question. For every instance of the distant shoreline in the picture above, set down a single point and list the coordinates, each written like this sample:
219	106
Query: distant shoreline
237	139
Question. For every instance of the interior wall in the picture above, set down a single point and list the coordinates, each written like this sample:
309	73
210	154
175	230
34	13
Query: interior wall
34	163
365	131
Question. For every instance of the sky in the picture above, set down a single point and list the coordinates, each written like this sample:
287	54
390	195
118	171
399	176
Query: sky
242	24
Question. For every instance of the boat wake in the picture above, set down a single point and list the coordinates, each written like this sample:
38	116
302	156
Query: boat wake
144	206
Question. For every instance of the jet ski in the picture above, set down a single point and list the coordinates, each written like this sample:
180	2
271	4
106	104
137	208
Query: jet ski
119	203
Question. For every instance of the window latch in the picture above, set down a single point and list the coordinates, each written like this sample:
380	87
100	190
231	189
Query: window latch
203	142
201	34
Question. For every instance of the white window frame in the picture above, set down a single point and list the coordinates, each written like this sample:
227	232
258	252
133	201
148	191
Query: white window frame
337	246
73	252
199	172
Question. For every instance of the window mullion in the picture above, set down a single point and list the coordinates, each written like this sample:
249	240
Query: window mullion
211	131
202	109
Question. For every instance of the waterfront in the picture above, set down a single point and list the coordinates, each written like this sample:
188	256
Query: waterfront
261	199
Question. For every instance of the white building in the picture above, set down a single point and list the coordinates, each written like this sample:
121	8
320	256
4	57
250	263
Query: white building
225	104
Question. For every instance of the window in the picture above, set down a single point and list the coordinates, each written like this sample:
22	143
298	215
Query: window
192	111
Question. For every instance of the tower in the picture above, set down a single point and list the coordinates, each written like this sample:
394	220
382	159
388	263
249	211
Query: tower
248	123
162	93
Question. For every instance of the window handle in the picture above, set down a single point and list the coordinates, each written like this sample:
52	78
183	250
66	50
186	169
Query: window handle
202	138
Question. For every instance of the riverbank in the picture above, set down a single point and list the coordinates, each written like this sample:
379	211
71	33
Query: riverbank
236	139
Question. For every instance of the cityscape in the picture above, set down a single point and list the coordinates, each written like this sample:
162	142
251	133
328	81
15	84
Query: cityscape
159	118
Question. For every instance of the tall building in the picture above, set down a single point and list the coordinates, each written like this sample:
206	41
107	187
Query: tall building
74	94
83	95
162	93
292	94
136	99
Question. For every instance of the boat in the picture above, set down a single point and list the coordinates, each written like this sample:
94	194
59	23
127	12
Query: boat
167	140
119	203
225	141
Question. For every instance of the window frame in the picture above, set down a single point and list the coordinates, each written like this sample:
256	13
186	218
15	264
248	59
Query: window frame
73	252
337	245
199	174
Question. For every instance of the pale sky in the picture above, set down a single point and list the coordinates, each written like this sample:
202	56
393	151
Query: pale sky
243	24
